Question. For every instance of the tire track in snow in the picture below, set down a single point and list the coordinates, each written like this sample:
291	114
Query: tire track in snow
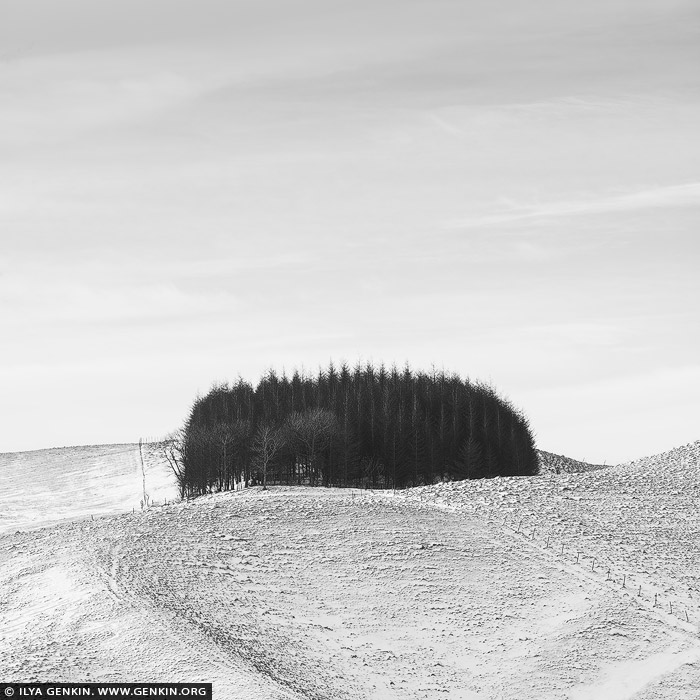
126	583
320	568
472	619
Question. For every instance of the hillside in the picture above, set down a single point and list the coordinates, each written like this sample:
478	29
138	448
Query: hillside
551	463
458	590
638	520
41	487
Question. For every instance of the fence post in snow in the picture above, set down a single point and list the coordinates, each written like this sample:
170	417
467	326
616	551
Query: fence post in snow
143	472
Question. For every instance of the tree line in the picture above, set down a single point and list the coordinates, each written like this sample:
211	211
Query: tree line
364	427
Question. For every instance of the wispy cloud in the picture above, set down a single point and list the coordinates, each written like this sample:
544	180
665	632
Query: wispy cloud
659	197
447	126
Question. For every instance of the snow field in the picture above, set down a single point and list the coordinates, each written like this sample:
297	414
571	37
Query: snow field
455	590
636	524
45	486
327	593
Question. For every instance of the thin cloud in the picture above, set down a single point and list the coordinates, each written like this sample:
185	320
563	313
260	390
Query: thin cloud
670	196
447	127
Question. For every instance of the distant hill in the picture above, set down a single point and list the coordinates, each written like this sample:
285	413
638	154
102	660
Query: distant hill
551	463
679	459
683	461
41	487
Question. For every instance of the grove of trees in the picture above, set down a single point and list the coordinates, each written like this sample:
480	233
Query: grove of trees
362	427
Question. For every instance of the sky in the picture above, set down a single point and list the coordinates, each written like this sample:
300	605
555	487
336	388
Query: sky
197	190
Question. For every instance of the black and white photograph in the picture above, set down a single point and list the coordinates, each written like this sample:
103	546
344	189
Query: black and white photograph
350	350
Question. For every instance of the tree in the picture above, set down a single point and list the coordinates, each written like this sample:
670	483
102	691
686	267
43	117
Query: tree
222	435
172	449
310	433
267	442
471	459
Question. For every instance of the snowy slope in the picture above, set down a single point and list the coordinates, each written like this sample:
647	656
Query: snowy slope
44	486
640	520
512	588
551	463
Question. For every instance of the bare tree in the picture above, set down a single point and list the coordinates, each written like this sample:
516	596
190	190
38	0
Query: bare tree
312	431
172	449
267	442
222	435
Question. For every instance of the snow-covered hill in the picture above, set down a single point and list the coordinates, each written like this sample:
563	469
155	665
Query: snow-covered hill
520	587
45	486
640	520
551	463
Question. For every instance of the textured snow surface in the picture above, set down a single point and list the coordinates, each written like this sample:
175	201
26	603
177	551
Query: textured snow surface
551	463
451	591
639	520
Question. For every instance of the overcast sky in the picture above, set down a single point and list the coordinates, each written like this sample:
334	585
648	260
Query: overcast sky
196	189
